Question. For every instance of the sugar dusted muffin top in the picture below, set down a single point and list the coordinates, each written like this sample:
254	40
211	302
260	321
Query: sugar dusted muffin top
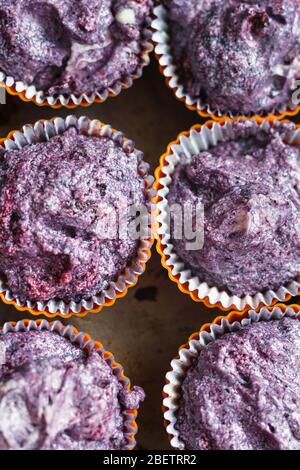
72	46
249	188
61	202
237	56
242	393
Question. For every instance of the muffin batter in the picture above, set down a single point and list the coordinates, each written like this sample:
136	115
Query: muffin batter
250	190
238	56
242	393
54	396
71	46
60	202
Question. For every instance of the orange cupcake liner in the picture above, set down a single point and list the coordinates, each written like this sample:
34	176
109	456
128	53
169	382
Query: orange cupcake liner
85	342
224	302
167	70
28	93
189	351
129	278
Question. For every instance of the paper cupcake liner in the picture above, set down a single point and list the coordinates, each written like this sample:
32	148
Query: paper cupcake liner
29	93
42	131
190	143
163	51
85	342
234	321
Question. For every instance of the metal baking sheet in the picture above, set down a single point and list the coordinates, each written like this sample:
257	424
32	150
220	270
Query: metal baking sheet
145	329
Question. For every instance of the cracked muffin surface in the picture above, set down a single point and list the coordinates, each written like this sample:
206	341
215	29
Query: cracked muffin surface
55	396
240	394
61	203
249	189
237	56
72	46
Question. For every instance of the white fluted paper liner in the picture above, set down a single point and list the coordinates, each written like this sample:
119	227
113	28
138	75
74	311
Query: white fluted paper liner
43	131
188	146
31	93
163	50
187	355
83	341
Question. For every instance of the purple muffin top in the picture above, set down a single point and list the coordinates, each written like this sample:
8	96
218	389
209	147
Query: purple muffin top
238	56
249	188
72	46
242	393
55	396
60	204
